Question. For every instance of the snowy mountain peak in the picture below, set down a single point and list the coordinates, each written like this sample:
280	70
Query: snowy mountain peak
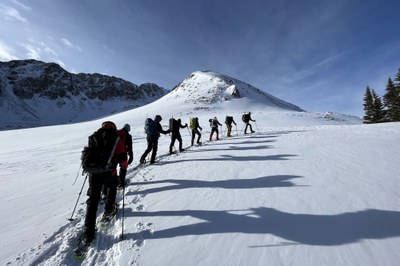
35	93
207	87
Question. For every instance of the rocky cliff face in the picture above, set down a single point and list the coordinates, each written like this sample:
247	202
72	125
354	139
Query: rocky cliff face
30	88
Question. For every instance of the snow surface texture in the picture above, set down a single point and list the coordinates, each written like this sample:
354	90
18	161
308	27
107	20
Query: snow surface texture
304	189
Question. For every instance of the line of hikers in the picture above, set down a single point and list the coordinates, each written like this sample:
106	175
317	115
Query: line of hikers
109	147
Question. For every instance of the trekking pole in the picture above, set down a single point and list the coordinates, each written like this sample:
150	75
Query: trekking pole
121	237
256	125
79	195
237	134
79	169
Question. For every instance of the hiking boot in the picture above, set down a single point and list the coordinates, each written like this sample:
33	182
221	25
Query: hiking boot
181	150
142	161
108	215
87	236
252	131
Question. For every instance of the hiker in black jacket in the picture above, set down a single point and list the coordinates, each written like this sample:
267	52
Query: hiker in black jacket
246	119
214	123
174	127
194	126
106	138
228	121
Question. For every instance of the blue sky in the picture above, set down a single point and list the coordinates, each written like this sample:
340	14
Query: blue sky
317	54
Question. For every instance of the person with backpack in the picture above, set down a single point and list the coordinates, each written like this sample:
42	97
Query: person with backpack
153	129
228	122
174	127
214	123
99	161
246	118
124	153
194	126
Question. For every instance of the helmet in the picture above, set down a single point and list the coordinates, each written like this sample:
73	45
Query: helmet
127	127
158	118
215	118
108	125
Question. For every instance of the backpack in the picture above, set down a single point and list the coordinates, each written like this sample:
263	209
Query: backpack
246	117
192	123
150	127
121	146
228	120
97	156
172	124
213	122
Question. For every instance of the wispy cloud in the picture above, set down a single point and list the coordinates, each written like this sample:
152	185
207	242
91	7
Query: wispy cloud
39	51
11	13
6	53
67	43
21	5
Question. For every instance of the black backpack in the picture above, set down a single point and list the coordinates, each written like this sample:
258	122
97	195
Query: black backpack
228	120
97	156
246	117
173	125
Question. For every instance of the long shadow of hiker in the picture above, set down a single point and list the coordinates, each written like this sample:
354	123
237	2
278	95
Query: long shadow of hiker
320	230
227	157
260	182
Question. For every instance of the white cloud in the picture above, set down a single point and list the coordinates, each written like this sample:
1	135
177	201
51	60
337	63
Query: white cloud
21	5
67	43
6	53
39	51
32	52
11	13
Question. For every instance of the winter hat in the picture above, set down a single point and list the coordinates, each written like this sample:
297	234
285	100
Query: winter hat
127	127
158	118
108	125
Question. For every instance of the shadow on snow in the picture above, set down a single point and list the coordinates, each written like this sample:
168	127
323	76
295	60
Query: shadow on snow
308	229
260	182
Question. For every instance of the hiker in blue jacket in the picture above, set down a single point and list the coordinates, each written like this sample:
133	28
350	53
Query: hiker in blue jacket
152	139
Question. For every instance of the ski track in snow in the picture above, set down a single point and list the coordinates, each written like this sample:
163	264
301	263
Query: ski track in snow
58	249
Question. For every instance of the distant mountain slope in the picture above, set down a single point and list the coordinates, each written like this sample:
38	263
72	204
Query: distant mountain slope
206	87
34	93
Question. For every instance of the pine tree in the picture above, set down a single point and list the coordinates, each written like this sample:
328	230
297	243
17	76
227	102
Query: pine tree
368	106
378	108
392	99
397	87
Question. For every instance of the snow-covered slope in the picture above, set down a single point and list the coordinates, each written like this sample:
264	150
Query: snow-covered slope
304	189
204	88
34	93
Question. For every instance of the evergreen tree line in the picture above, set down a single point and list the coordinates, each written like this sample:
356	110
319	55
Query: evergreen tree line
388	110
